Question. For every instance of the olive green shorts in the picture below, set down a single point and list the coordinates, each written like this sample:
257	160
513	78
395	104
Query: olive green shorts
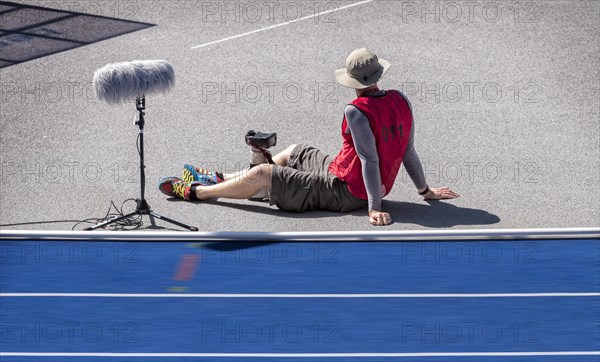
306	184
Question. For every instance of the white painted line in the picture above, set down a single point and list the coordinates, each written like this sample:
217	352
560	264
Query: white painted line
276	295
301	355
280	24
315	236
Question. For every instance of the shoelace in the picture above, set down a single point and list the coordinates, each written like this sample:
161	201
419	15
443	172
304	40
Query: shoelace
187	175
203	171
203	175
211	174
179	189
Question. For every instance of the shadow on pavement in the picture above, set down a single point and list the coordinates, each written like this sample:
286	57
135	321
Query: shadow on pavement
438	214
29	32
264	208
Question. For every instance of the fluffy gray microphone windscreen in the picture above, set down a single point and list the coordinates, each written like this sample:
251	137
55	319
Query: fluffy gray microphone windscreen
116	82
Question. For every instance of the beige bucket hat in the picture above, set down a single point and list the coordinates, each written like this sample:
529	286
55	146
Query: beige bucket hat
363	69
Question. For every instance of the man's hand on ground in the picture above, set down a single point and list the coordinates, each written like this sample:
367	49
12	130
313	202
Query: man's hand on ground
379	218
438	193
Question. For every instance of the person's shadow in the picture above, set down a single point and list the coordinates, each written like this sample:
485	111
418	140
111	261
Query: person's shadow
437	214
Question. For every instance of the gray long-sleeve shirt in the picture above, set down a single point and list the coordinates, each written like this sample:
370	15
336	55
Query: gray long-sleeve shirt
364	142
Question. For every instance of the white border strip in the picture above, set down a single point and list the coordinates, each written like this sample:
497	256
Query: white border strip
291	296
402	235
280	24
302	355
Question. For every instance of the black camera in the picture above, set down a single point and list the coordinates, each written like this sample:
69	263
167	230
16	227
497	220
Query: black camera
260	139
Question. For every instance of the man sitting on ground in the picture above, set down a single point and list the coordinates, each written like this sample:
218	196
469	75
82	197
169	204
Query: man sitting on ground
378	136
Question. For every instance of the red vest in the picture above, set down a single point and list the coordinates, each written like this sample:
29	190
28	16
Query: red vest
391	120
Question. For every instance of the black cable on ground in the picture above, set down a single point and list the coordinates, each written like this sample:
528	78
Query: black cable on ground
130	223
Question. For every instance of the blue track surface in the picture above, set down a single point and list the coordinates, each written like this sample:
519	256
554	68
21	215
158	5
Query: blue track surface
206	324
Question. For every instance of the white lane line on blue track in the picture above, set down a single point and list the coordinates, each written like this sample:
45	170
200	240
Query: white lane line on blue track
278	295
301	355
281	24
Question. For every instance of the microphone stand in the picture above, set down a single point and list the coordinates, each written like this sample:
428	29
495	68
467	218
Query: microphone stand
142	207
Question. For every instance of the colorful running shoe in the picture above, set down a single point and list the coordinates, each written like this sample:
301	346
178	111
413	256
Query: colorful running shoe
176	187
191	174
165	185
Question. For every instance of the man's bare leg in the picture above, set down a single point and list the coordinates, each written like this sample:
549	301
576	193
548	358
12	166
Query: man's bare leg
283	157
256	179
280	159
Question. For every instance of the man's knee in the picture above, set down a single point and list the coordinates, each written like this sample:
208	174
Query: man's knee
261	174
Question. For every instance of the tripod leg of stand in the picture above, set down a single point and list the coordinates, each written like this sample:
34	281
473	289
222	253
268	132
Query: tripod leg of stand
152	222
111	221
190	228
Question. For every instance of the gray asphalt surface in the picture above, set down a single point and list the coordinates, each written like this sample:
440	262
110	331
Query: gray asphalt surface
505	97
